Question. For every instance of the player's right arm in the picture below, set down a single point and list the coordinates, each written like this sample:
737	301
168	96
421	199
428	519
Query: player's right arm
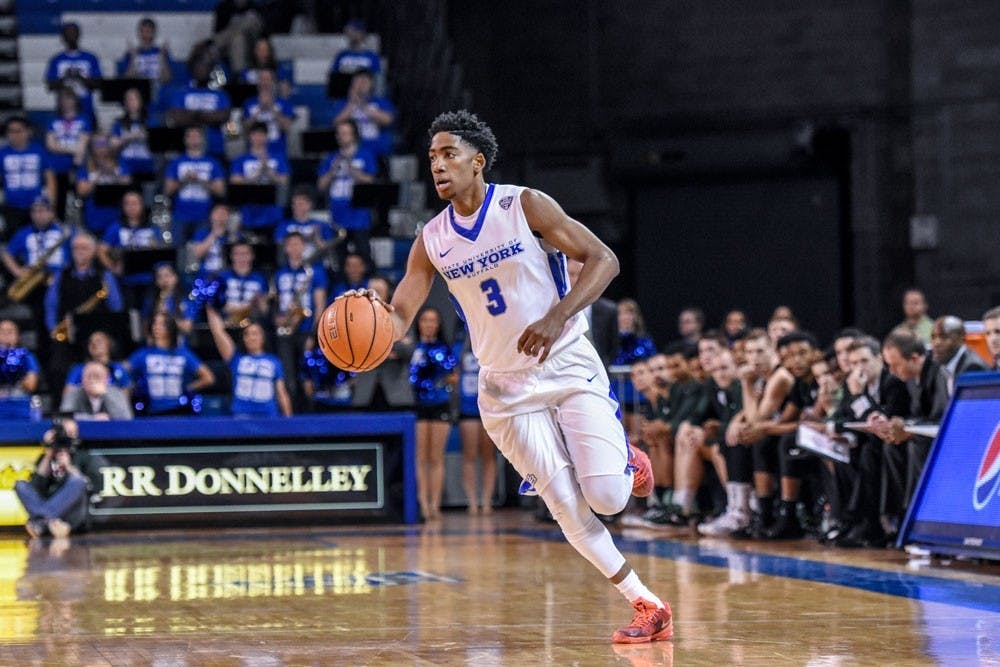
412	290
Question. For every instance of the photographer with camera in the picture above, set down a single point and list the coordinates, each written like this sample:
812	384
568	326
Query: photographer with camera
56	496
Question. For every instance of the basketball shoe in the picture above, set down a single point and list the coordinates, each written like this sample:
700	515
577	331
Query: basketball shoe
650	623
642	472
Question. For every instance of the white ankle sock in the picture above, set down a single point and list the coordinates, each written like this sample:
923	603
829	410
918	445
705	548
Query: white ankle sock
683	498
633	589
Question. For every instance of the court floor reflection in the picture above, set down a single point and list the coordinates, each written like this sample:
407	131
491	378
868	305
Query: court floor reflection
470	591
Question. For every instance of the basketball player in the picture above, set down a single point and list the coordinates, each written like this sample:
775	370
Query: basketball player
544	395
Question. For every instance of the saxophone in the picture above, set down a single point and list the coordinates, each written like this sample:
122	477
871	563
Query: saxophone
239	318
37	273
63	332
297	312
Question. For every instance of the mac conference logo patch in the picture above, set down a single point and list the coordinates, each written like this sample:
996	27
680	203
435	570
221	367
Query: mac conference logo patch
506	202
988	477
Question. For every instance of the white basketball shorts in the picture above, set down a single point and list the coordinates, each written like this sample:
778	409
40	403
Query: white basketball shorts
557	414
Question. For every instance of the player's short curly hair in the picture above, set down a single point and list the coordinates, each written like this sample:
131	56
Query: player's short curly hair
470	129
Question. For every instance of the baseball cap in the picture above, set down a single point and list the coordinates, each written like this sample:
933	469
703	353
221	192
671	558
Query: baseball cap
41	200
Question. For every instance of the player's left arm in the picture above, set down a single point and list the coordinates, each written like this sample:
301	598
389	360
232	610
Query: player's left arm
600	266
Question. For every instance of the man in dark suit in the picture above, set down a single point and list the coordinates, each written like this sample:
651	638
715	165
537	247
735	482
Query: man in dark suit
991	327
872	395
950	352
904	455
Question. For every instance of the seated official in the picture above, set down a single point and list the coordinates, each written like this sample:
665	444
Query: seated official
95	398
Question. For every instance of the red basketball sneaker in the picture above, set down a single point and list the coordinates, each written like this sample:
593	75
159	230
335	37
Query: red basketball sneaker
650	623
642	472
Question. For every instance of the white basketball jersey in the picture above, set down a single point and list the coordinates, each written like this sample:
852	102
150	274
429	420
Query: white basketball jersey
500	276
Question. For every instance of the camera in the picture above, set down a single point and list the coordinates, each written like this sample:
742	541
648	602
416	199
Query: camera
61	440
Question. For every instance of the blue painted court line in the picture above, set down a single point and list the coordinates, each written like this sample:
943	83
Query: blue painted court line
983	597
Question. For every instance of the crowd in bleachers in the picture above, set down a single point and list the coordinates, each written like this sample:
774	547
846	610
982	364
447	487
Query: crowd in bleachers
764	433
171	252
167	197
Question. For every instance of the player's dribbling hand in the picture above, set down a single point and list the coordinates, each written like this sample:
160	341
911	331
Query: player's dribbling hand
371	295
539	336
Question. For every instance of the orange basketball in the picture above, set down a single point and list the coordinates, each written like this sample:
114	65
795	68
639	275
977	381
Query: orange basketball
355	333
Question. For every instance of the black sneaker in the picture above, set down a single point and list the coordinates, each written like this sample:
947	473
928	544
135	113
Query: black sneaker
668	517
862	536
787	527
754	530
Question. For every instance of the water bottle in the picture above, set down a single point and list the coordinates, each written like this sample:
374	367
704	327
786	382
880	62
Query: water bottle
35	408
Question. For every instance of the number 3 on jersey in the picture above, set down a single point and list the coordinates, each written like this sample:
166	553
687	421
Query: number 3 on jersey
494	301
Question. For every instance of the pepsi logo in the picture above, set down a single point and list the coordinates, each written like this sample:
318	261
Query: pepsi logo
988	477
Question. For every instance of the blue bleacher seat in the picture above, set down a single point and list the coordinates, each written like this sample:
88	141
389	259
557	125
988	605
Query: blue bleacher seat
313	96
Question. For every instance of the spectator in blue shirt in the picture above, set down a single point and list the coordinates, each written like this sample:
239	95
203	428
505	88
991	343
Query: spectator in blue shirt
338	174
258	377
353	276
197	104
268	108
66	140
244	291
373	114
100	168
300	287
301	293
165	294
208	246
318	235
132	232
356	57
147	60
194	178
78	69
18	373
130	138
167	377
262	58
31	243
27	174
260	165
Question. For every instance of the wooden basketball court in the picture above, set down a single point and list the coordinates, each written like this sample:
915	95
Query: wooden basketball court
500	590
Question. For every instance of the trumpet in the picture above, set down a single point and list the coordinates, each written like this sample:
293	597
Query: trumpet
37	273
63	331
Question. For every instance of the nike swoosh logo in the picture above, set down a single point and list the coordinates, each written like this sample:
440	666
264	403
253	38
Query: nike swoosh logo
442	254
591	378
